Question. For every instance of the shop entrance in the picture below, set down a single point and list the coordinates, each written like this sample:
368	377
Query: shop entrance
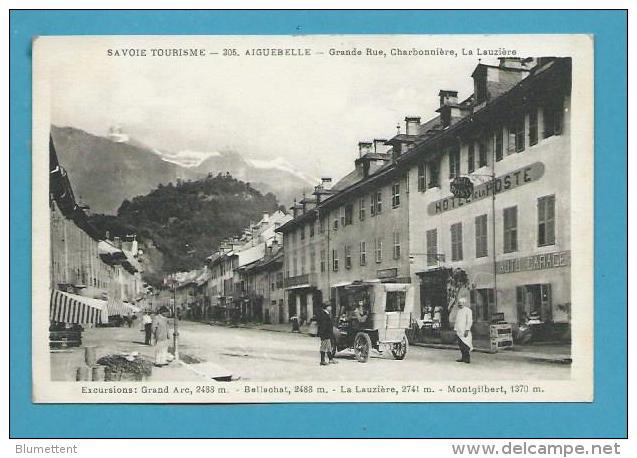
483	303
433	296
534	303
281	314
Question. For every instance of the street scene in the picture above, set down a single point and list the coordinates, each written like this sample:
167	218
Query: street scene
271	354
432	246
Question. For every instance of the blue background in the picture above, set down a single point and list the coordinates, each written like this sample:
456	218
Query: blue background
606	417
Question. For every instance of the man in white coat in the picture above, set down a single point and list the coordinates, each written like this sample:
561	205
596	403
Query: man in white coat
464	321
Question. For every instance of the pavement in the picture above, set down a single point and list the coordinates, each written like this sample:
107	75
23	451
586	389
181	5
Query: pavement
254	355
250	353
107	341
559	353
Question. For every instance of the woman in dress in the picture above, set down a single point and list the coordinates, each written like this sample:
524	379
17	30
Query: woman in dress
161	332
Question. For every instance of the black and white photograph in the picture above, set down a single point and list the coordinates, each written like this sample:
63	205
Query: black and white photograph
337	218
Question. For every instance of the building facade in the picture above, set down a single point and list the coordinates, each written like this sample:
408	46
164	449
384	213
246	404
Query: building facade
83	263
356	230
401	214
512	234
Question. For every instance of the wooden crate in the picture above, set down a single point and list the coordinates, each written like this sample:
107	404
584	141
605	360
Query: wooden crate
500	343
500	330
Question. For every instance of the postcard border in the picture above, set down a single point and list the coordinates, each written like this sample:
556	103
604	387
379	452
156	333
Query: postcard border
317	420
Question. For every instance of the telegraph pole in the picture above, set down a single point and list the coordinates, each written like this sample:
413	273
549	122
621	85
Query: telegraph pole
175	320
462	187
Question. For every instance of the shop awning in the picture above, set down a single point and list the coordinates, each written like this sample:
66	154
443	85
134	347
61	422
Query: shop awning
396	286
74	309
304	285
341	284
118	307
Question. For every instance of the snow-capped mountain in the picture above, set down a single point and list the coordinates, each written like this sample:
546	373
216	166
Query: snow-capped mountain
283	165
186	158
106	170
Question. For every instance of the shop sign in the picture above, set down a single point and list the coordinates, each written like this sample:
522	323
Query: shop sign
544	261
462	187
501	184
387	273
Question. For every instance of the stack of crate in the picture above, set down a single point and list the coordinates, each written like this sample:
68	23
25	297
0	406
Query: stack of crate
500	336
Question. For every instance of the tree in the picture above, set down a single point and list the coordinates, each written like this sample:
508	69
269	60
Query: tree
457	280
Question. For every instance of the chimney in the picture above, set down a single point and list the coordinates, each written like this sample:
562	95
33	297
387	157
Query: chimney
520	63
364	148
448	97
381	146
489	82
266	218
412	123
295	209
326	183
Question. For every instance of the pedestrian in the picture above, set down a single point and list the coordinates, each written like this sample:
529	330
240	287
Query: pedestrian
295	324
162	336
464	321
326	333
147	323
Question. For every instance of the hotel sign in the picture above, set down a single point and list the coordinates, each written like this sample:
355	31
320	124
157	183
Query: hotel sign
501	184
544	261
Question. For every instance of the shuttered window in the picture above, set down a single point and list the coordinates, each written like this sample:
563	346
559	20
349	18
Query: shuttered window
481	236
510	216
456	242
546	220
432	247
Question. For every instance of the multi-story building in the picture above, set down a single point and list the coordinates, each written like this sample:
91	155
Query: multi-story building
395	218
511	234
356	230
230	287
264	287
83	264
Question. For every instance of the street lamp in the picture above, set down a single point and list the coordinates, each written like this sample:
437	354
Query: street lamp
173	283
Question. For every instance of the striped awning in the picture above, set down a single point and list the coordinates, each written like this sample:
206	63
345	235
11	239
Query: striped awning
118	307
74	309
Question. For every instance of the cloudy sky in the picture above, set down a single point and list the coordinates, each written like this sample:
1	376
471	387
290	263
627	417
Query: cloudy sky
310	111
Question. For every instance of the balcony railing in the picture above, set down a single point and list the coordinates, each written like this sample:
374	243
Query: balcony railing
435	259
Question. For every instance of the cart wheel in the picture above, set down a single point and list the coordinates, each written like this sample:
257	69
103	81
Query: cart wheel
362	345
399	350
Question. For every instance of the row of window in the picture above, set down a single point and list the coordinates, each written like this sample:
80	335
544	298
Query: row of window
345	215
362	253
347	257
478	152
545	232
545	237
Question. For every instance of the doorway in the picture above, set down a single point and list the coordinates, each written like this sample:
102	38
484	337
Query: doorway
534	302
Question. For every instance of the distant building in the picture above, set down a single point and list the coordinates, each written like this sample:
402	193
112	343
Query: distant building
230	285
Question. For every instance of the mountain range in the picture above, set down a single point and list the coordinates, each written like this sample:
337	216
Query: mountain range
105	171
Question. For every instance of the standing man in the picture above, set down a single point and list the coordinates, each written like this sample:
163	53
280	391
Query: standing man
147	322
464	321
325	333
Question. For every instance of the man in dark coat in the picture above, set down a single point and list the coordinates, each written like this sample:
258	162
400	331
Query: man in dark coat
325	333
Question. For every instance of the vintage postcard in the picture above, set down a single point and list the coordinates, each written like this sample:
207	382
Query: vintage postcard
335	218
